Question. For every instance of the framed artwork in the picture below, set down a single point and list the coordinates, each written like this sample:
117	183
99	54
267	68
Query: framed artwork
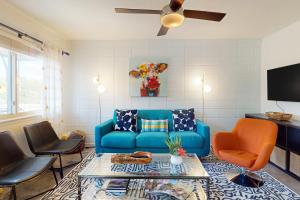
148	76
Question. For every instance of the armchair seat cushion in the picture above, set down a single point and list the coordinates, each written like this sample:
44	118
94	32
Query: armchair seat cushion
59	147
238	157
189	139
26	169
119	139
152	139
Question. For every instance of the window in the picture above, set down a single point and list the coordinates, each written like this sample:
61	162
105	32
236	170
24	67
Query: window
4	81
21	83
29	84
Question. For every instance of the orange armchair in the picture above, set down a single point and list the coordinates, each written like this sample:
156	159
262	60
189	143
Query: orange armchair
249	146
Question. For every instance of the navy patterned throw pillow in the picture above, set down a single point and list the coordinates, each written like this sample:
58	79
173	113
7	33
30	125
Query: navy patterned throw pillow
184	120
126	120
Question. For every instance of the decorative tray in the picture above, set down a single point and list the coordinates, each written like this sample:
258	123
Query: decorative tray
279	116
138	157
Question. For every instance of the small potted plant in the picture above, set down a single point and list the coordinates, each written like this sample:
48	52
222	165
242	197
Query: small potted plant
176	150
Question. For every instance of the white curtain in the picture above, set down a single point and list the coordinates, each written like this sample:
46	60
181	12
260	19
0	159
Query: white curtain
52	97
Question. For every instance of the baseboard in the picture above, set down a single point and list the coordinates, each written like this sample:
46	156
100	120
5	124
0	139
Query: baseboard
89	145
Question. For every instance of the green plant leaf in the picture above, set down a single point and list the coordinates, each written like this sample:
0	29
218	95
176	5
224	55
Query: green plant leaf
174	144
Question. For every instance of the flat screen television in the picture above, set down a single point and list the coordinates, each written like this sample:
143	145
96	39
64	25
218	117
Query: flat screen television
284	83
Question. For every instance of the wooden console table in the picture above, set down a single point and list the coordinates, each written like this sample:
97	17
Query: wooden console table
288	139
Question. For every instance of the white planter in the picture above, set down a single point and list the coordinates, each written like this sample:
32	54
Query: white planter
176	160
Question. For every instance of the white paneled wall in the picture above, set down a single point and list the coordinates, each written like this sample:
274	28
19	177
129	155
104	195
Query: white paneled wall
231	68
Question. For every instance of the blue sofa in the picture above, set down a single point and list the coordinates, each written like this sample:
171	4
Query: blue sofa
109	141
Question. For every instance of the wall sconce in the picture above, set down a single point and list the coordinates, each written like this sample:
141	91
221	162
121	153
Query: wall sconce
197	81
96	79
200	80
101	89
207	88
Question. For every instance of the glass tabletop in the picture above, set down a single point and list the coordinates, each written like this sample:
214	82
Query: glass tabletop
159	168
137	190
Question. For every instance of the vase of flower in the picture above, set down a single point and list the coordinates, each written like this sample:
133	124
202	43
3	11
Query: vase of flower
176	160
176	150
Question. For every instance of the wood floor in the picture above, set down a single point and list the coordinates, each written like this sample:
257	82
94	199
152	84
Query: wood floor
289	181
46	180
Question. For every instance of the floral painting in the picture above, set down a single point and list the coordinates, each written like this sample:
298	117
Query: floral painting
148	77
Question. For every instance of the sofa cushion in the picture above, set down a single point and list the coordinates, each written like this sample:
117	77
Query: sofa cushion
155	125
119	139
126	120
155	114
189	139
184	120
152	139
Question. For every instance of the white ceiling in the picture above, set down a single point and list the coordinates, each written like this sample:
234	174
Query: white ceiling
96	19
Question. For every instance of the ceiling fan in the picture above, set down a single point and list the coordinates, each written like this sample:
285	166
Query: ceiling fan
173	15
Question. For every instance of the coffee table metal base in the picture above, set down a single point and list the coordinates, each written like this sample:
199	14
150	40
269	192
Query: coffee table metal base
160	168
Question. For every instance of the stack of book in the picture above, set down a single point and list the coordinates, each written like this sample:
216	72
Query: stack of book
117	186
172	188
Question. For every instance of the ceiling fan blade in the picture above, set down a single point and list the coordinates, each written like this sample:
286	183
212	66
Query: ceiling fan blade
176	4
197	14
162	31
137	11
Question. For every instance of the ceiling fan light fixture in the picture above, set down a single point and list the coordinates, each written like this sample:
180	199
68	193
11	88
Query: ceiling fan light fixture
171	19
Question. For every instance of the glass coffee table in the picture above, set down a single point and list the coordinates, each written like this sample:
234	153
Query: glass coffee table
160	168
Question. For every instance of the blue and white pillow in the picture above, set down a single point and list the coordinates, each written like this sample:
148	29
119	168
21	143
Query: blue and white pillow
184	120
126	120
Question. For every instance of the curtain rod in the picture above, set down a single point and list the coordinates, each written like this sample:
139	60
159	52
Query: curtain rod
22	34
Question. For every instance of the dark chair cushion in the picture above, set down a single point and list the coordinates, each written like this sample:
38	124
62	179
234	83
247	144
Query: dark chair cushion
43	140
40	135
60	147
26	169
10	152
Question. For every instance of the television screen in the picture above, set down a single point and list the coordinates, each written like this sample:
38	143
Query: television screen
284	83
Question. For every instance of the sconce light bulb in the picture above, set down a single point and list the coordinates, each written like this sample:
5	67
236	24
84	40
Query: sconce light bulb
197	81
96	79
207	88
101	88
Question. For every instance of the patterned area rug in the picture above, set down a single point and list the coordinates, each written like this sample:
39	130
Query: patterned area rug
220	187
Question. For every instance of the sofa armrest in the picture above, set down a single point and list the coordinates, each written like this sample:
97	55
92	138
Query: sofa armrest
101	130
204	130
